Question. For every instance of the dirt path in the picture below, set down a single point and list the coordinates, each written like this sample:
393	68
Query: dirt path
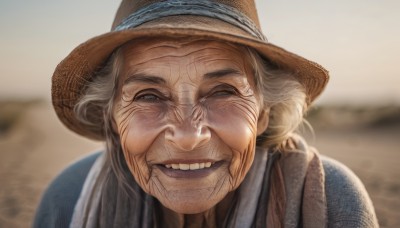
36	149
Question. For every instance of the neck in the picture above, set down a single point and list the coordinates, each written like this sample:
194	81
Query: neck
214	217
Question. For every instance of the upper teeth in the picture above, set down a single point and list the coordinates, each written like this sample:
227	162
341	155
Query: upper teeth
193	166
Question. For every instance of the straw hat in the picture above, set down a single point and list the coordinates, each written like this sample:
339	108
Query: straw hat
233	21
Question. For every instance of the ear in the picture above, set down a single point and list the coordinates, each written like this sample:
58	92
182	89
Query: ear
263	120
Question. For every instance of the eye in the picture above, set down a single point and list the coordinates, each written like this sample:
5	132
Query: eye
223	91
150	96
147	97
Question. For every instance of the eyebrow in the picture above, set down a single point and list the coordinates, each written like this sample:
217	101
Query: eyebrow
222	73
144	78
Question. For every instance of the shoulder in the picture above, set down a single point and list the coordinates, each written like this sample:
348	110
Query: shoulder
347	199
58	201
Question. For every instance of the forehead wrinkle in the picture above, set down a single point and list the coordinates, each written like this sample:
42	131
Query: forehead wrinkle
178	51
146	47
224	48
191	66
182	53
145	60
209	61
209	51
148	55
166	43
224	71
151	48
132	70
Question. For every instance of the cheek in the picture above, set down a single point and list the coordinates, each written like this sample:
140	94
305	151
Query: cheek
138	127
235	123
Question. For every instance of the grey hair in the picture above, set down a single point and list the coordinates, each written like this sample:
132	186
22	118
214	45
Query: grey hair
99	98
99	95
283	95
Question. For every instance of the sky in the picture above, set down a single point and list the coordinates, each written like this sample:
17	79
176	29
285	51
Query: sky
358	41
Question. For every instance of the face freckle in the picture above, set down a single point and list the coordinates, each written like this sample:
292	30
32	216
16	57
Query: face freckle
187	115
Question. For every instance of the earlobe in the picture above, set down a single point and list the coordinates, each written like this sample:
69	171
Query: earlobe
263	120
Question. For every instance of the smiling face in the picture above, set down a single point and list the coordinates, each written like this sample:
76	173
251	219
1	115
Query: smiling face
187	113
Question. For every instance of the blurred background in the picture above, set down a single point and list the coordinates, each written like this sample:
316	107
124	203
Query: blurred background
356	120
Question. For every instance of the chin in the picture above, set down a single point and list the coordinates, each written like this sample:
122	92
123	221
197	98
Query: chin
194	205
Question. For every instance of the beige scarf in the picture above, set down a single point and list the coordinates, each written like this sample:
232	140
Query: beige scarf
304	179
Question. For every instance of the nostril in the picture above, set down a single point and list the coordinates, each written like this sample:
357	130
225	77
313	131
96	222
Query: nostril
169	132
205	133
205	130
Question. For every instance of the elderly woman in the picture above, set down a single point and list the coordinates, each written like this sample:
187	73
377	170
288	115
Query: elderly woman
198	113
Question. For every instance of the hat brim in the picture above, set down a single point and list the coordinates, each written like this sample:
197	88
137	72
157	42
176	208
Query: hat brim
77	69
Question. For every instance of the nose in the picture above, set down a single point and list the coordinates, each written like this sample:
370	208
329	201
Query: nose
187	136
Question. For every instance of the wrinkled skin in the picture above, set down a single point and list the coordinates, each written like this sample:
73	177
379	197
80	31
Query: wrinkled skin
187	102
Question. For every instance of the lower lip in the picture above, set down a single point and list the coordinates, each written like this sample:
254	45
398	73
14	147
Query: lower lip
198	173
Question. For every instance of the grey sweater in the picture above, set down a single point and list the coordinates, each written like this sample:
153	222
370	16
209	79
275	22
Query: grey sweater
348	202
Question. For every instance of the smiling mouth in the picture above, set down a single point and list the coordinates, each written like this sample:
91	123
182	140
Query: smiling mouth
193	166
189	170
